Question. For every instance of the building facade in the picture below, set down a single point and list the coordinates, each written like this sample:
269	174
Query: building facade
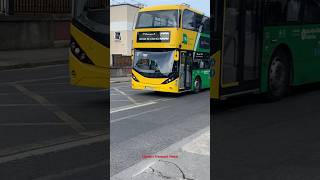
31	24
122	17
43	7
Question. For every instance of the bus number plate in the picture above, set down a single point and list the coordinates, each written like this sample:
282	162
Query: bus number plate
148	88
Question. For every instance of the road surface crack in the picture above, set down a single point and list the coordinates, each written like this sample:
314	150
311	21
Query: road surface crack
158	173
161	175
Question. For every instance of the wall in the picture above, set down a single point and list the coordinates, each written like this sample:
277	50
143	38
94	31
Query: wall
122	20
33	32
120	72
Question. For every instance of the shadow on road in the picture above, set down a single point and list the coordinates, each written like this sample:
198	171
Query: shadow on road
279	140
255	99
169	95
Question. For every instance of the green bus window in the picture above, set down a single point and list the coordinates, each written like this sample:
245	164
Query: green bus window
275	12
311	11
198	21
204	42
293	11
188	20
206	25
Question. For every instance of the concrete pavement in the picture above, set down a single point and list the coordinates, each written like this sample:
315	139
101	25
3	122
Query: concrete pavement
187	159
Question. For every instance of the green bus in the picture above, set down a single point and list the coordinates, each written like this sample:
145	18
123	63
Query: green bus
201	67
264	46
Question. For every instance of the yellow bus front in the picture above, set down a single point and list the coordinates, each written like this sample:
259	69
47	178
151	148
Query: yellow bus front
157	41
89	46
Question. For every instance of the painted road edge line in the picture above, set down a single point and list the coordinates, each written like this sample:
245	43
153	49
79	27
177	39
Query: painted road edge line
54	148
59	113
136	115
126	95
136	169
124	108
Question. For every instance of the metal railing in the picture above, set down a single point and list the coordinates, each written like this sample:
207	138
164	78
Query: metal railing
41	7
48	7
2	7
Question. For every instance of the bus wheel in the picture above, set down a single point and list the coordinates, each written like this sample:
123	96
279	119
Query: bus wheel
197	85
278	76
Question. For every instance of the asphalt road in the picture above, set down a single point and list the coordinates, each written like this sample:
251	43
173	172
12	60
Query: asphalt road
144	123
268	141
50	129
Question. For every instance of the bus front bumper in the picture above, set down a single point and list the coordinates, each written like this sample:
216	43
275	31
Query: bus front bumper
170	87
87	75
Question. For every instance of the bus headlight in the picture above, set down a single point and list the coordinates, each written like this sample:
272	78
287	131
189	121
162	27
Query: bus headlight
73	46
83	56
171	78
134	77
79	53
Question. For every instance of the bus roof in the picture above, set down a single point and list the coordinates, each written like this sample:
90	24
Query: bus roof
168	7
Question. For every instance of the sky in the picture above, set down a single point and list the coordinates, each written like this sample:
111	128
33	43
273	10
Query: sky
201	5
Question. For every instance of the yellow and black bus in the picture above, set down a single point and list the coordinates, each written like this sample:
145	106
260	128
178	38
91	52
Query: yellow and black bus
171	49
89	45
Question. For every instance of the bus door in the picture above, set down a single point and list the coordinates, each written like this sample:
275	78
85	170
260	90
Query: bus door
240	47
186	70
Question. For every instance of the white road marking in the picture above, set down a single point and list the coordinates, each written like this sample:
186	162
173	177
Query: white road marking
53	148
124	108
59	92
33	80
131	90
51	83
136	115
124	87
33	68
115	94
53	108
47	124
74	171
126	95
73	91
119	100
164	99
123	82
24	105
18	105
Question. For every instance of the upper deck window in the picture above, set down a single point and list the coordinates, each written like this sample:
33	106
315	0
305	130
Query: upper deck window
95	19
191	20
158	19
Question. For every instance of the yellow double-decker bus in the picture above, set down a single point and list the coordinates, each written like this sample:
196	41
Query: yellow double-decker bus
89	45
171	49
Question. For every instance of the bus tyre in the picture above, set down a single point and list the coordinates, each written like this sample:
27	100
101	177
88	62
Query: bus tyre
278	76
197	85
